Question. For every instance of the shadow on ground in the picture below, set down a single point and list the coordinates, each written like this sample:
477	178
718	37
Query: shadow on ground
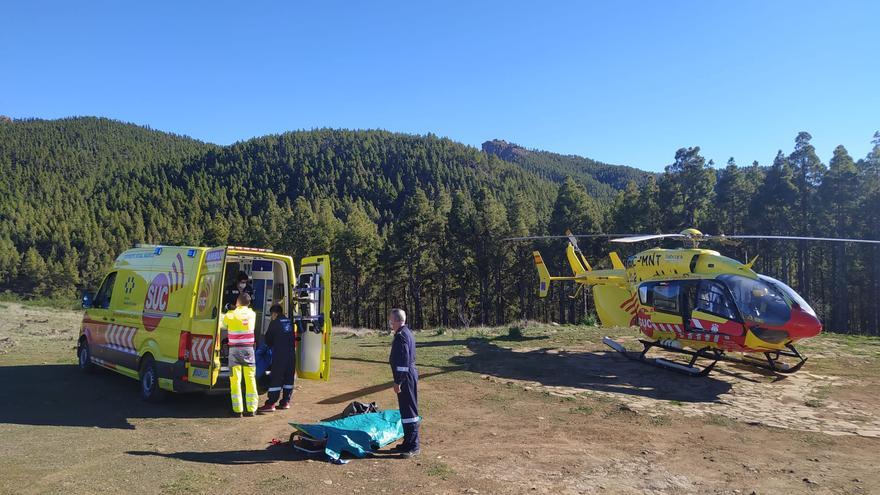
273	453
372	389
446	343
598	371
63	395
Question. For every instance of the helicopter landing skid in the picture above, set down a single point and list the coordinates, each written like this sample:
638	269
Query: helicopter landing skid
773	358
689	369
773	363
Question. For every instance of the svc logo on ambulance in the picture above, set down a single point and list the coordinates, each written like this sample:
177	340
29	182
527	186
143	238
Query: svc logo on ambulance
156	300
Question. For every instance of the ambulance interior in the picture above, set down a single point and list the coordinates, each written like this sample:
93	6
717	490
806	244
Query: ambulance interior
269	279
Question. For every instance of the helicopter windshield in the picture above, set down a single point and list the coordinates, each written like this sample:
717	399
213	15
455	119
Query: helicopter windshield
758	300
790	293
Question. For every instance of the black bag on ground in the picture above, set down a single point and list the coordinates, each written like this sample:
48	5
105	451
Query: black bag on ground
359	408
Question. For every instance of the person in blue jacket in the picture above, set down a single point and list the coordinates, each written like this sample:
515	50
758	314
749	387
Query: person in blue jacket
406	382
280	337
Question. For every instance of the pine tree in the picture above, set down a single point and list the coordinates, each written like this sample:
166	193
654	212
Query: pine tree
628	214
490	254
808	172
9	261
734	190
839	200
462	234
523	220
355	251
771	208
869	170
34	273
649	205
414	248
576	211
689	184
217	232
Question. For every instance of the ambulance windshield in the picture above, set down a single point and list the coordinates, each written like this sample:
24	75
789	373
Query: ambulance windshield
758	300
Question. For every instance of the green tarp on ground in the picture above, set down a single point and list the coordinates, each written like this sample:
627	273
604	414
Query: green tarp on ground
358	435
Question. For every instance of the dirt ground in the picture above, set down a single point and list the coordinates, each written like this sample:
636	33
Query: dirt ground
551	412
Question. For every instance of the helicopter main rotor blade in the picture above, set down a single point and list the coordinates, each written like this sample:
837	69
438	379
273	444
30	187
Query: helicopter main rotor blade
640	238
792	238
584	236
631	238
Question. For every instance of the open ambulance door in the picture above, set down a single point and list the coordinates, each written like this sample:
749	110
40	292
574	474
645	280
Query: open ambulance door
200	347
311	294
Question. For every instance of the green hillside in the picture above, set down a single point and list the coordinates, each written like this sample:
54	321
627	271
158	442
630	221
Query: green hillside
601	180
416	220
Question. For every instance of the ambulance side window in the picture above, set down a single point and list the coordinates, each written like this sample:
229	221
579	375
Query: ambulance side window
102	298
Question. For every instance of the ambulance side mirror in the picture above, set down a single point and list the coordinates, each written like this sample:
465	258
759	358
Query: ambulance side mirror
87	300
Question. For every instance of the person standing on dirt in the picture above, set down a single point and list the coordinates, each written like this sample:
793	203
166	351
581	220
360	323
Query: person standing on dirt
280	337
240	324
406	381
241	285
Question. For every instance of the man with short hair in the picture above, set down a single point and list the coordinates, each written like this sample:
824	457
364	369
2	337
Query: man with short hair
239	325
406	381
280	337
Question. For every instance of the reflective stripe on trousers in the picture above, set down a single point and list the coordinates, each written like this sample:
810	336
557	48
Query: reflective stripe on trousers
250	385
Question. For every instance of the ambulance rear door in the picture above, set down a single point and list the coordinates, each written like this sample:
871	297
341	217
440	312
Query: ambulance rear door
201	345
312	295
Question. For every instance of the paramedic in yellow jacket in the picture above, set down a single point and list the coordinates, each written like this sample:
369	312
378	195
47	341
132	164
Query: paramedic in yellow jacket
240	324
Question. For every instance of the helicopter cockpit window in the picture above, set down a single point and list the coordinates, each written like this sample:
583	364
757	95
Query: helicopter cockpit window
788	291
666	298
712	298
758	300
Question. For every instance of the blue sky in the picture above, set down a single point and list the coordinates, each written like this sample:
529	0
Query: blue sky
622	82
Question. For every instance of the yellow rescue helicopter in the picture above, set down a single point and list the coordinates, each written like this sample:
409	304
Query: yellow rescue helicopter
694	301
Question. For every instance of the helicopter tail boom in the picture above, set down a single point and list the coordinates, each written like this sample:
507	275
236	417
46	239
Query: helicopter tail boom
544	275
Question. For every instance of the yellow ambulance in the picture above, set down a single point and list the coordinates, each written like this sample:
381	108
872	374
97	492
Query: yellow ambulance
156	315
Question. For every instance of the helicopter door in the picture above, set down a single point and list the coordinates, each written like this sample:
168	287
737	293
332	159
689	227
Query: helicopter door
314	325
714	311
667	301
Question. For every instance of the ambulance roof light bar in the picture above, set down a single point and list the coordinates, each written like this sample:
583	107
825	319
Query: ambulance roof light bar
256	250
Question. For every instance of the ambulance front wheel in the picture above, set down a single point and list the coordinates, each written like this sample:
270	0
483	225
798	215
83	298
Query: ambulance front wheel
150	390
84	356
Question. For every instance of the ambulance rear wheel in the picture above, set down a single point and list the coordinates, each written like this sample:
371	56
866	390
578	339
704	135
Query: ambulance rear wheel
150	390
84	356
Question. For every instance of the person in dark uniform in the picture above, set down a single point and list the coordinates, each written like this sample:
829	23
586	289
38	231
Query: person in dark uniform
280	338
406	382
241	285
